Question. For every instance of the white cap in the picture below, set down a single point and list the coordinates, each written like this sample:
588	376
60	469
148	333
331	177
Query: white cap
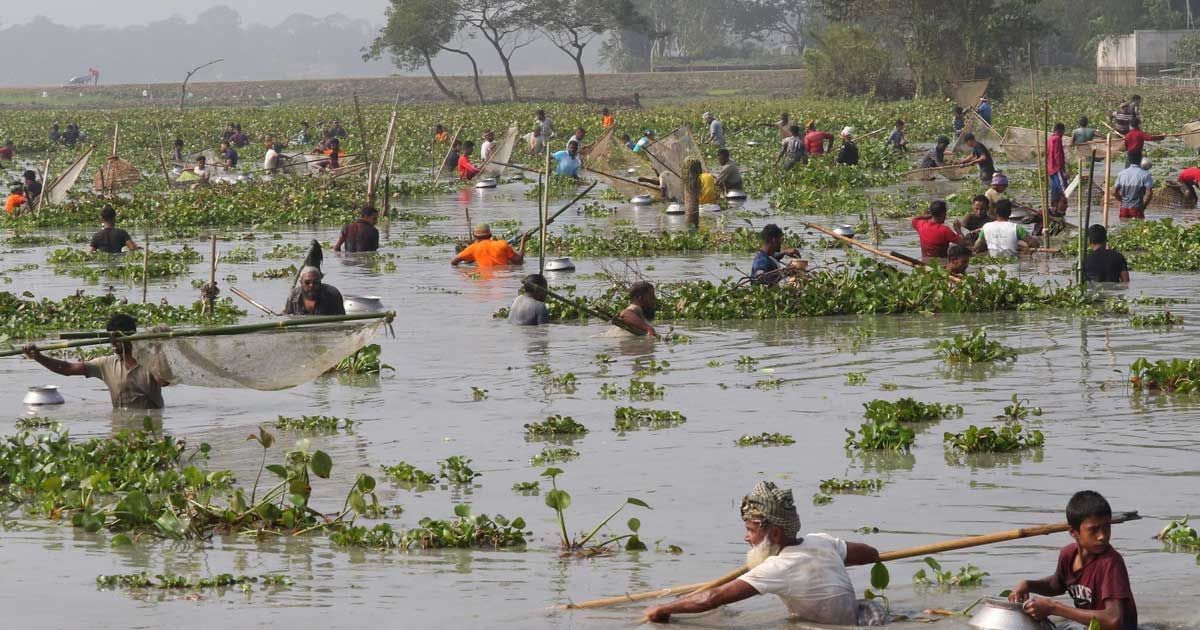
1146	164
848	131
706	115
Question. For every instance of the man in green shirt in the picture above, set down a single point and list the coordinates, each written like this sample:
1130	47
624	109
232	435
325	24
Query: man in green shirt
1083	133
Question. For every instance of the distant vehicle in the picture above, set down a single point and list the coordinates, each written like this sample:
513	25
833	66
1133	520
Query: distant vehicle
79	80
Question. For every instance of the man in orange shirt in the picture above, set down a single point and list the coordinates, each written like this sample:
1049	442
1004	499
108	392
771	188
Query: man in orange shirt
467	170
16	199
608	118
439	133
485	252
815	140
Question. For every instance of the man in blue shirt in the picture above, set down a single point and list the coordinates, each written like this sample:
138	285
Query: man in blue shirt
767	268
985	110
568	161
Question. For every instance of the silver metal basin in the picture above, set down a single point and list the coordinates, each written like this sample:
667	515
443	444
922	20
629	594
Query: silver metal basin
1000	614
362	304
43	395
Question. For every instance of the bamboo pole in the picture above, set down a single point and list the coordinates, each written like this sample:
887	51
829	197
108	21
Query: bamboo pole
1082	223
211	331
1087	217
441	167
516	239
146	267
900	554
623	179
543	210
691	191
874	250
1043	177
582	305
242	294
1107	176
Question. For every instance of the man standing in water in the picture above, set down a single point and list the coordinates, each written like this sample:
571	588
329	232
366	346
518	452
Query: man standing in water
529	309
1103	264
808	574
130	384
362	235
768	268
110	239
485	252
1134	190
314	297
642	304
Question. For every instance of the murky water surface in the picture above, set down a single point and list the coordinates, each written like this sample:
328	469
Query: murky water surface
1140	451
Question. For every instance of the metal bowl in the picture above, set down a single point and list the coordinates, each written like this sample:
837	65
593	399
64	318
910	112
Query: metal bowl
641	200
43	395
631	171
559	264
1000	614
736	195
844	230
751	143
486	183
675	208
362	304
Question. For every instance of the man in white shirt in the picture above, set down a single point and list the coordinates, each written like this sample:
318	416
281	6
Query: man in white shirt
716	130
489	143
808	574
1003	238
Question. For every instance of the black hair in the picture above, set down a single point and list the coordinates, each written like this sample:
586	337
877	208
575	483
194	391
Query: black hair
958	110
982	198
723	152
1059	127
1004	208
943	140
1135	97
1097	234
1086	504
957	251
335	142
640	289
937	208
535	279
795	130
108	214
29	175
368	211
178	142
967	137
771	231
468	143
899	122
122	323
1083	121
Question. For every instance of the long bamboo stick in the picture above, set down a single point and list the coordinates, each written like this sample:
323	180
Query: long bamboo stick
516	239
211	331
623	179
900	554
582	305
543	212
242	294
874	250
1107	175
146	267
442	165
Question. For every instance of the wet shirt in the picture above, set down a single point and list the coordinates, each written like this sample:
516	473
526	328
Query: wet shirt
1103	578
730	176
466	170
814	141
526	311
1132	184
128	389
33	189
568	165
110	240
765	263
987	166
848	154
1104	265
1190	175
1136	140
933	158
490	253
935	237
811	579
708	188
329	302
1002	238
360	236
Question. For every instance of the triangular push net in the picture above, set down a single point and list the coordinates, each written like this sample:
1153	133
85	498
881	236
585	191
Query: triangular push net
966	94
57	191
668	155
116	174
614	164
1021	144
500	155
983	133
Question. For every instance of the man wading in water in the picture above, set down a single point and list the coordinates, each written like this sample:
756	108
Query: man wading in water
313	297
808	574
130	384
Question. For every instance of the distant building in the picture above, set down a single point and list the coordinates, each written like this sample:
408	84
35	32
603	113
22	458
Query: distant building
1140	57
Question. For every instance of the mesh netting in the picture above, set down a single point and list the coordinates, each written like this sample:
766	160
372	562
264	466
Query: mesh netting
966	94
57	191
611	161
668	156
266	361
1086	149
1191	135
502	154
1172	196
983	133
948	172
1021	144
116	174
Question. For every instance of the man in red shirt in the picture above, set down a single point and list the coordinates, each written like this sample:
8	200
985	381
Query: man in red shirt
1135	140
466	170
935	235
814	141
1056	163
1190	178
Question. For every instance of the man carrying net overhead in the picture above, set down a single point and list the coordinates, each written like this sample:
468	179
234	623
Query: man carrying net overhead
130	384
314	297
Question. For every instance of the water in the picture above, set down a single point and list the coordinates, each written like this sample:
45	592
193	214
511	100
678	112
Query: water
1140	451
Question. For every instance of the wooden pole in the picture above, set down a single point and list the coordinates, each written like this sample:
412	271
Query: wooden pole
146	267
623	179
442	166
691	191
1107	177
1082	222
242	294
910	552
581	304
362	131
516	239
543	210
1087	218
1046	185
874	250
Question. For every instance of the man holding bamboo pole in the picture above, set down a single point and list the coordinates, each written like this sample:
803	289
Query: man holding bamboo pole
808	573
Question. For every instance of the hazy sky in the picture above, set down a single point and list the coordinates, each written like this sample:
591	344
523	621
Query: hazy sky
113	12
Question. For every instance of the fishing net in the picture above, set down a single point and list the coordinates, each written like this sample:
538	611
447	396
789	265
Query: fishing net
502	154
57	191
1021	144
1191	135
1172	196
668	156
966	94
116	174
983	133
929	174
1085	150
613	162
266	361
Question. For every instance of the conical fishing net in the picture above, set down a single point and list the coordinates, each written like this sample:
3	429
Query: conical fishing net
1021	144
983	133
948	172
611	161
57	191
266	361
1085	150
966	94
501	154
116	174
668	156
1191	135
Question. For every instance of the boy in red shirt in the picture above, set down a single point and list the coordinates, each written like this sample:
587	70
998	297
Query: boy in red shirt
936	236
814	140
1135	140
466	170
1190	178
1089	570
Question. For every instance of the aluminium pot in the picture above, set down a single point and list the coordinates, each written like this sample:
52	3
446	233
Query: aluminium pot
994	613
559	264
43	395
489	182
356	304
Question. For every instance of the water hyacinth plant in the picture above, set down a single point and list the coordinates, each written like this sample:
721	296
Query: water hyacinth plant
1180	376
559	500
967	576
765	439
974	348
1007	439
554	426
909	410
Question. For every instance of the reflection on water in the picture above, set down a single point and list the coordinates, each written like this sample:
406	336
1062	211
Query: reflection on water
1139	450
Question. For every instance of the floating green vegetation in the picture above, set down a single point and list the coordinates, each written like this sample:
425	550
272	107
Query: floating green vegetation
527	488
1153	246
765	439
856	378
1155	320
822	499
478	394
313	424
559	500
465	531
178	582
286	251
33	240
634	419
27	318
632	242
649	367
638	390
553	455
909	410
161	263
1179	535
975	347
565	383
830	486
1153	300
988	440
768	383
603	359
966	577
406	474
364	361
881	435
457	470
746	363
554	426
36	423
1166	375
559	187
240	254
1019	410
275	273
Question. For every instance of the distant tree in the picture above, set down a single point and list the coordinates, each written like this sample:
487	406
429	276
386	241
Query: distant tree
788	19
502	24
416	31
573	24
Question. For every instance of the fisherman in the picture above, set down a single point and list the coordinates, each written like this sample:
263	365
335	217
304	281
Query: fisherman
628	142
995	192
1134	190
568	161
33	188
984	109
793	151
959	121
1002	238
1126	115
808	574
848	154
361	235
606	119
716	130
896	140
16	198
337	130
489	144
467	170
644	141
130	384
227	135
784	125
729	176
815	140
1056	164
239	139
937	155
485	252
981	156
979	216
314	297
1103	264
7	150
1189	178
958	258
1084	133
177	151
304	136
71	135
55	134
1135	141
439	133
110	239
577	136
935	235
642	305
271	157
201	168
334	151
451	162
768	268
544	124
229	154
1089	570
529	309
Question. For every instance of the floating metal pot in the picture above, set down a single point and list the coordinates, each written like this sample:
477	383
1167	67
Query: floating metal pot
736	195
844	230
1000	614
675	208
362	304
43	395
486	183
641	200
559	264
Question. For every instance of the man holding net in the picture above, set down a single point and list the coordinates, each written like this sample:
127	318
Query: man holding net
314	297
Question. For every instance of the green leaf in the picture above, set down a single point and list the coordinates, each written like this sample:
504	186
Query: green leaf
880	577
518	523
52	484
638	502
558	499
933	564
298	500
462	510
170	524
366	483
634	524
278	469
635	544
321	464
552	472
357	503
121	540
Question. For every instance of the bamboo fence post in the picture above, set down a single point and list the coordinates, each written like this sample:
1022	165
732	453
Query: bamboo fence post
1082	222
543	209
146	267
441	167
691	191
1107	175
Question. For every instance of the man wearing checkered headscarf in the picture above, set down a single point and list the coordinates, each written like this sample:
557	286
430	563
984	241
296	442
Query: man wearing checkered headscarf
808	574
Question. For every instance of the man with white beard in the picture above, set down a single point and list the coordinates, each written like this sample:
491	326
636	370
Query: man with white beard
808	573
